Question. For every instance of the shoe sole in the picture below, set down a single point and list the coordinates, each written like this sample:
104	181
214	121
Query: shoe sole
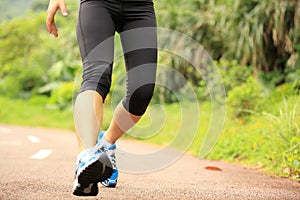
81	191
94	173
111	185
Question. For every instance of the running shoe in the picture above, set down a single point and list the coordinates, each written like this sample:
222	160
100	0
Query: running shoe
113	179
92	166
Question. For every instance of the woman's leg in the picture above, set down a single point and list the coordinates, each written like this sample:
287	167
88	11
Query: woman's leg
88	112
121	122
140	66
95	32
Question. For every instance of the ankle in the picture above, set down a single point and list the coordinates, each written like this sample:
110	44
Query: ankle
107	139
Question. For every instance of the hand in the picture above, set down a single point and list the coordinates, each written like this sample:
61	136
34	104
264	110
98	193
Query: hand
54	6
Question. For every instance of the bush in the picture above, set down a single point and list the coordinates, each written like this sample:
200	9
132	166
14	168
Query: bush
284	140
245	99
38	100
270	141
9	87
233	74
274	99
62	95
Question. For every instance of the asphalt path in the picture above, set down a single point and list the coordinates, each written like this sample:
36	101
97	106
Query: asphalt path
38	163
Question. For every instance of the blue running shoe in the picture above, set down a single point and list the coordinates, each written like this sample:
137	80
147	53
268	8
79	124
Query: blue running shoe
92	166
113	179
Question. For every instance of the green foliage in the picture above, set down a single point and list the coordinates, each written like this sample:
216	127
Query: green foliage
264	34
62	95
233	74
33	62
16	62
33	112
40	100
237	30
286	91
9	87
268	141
285	140
271	79
245	98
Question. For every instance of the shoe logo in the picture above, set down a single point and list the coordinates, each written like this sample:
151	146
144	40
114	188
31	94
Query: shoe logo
102	149
88	189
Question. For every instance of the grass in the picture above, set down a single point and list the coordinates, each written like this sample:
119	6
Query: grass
35	112
266	140
25	113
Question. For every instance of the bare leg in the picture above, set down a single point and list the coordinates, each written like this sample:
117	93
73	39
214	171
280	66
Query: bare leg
88	112
122	121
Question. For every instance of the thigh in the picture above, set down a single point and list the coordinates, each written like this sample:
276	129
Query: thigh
138	32
95	34
95	26
139	42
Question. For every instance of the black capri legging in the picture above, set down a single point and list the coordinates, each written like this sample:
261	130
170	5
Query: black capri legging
135	20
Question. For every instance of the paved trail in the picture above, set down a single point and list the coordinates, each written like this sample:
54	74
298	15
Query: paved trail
38	164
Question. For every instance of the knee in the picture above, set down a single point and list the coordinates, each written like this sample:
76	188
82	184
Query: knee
97	77
138	102
143	94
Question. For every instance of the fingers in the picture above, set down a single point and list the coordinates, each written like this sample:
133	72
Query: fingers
52	9
52	29
50	23
63	9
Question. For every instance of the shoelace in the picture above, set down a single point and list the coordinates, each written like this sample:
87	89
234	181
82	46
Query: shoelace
110	152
